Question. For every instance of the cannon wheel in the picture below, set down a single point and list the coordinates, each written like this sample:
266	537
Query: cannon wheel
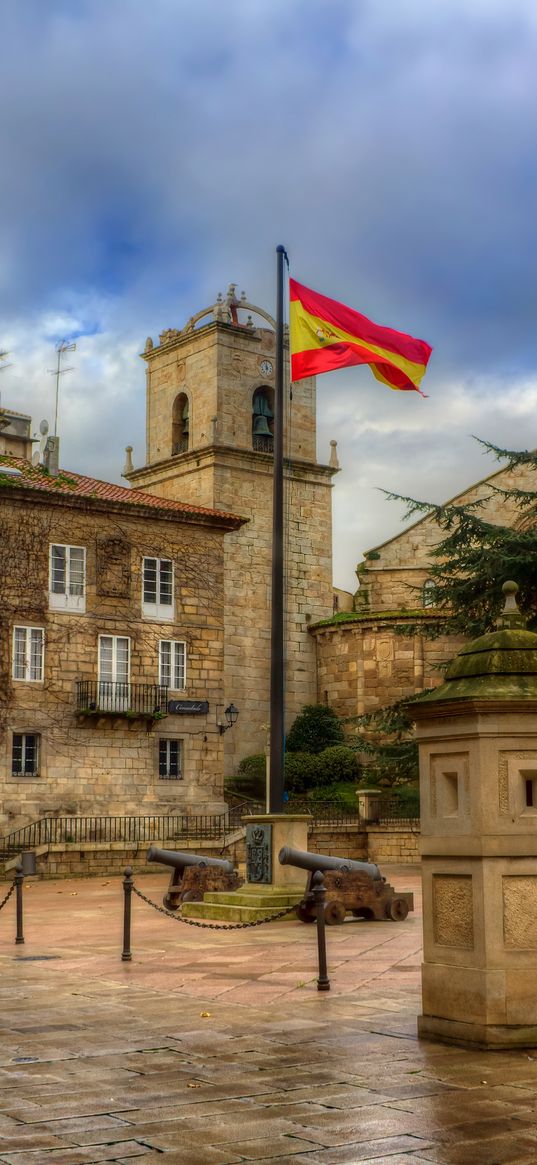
170	903
305	913
397	909
334	913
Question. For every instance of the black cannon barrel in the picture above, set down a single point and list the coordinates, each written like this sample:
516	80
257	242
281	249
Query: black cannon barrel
306	861
179	860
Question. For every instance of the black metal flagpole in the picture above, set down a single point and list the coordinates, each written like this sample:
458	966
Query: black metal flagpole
276	777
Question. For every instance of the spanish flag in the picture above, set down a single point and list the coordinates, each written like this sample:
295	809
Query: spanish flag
326	335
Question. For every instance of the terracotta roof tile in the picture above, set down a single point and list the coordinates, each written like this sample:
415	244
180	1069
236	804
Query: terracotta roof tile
35	477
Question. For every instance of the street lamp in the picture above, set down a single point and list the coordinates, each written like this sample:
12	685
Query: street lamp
230	713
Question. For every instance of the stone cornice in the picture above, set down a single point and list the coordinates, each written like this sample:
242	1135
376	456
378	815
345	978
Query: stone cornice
444	709
371	622
229	454
186	337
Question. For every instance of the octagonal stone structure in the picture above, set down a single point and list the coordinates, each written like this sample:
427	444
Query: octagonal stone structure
477	738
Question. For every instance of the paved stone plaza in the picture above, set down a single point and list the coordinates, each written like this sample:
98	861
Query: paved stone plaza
211	1049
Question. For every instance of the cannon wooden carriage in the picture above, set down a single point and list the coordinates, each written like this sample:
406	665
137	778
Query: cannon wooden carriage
193	875
355	887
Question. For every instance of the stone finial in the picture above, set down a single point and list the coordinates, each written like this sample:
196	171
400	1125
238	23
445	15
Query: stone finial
333	463
510	616
128	466
148	344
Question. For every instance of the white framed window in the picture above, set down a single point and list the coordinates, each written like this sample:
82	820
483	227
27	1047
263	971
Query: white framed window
428	592
67	586
172	664
114	672
157	588
25	754
170	760
28	654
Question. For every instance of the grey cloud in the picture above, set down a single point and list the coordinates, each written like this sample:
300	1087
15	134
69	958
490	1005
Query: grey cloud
154	152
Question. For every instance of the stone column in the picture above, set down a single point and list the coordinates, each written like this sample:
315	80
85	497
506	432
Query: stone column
478	775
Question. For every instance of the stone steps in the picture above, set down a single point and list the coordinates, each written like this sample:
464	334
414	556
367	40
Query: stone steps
249	904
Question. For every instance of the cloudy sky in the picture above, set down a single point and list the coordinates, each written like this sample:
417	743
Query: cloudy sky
152	153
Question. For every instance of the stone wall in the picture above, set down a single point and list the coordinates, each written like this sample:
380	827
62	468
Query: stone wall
108	764
392	574
367	663
392	846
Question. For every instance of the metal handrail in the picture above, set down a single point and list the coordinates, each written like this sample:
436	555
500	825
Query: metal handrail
181	826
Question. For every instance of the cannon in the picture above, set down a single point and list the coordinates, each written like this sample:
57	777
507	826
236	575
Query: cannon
358	887
193	875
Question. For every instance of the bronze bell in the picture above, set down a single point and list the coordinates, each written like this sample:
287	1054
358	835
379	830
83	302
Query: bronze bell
261	427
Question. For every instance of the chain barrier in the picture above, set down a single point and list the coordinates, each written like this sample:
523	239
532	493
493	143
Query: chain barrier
212	925
8	895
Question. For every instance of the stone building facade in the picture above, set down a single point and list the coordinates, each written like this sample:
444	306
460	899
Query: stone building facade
210	395
364	662
112	605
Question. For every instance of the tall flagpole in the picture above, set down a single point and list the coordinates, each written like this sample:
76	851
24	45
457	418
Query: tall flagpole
276	778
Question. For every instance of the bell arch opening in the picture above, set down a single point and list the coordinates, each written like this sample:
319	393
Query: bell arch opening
263	419
180	424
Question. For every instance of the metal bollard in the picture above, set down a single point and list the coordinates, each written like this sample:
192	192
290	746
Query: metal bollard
319	894
19	882
127	897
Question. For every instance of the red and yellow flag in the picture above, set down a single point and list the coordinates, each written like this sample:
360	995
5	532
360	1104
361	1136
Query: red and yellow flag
326	335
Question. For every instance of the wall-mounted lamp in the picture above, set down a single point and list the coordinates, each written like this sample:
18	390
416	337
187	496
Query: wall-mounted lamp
230	713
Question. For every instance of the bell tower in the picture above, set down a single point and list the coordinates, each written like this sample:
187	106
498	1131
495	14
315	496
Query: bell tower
209	435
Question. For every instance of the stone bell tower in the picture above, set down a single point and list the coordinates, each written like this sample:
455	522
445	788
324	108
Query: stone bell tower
210	396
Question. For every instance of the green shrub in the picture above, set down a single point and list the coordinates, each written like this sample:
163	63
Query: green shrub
253	766
250	779
301	772
337	763
315	728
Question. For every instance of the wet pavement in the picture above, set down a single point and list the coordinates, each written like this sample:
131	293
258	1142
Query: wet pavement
215	1047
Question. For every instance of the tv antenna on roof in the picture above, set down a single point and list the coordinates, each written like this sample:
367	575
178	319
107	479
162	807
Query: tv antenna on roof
62	347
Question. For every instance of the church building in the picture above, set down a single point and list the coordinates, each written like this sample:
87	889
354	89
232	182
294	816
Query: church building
135	620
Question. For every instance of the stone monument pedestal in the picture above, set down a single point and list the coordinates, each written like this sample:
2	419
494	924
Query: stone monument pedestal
266	833
270	887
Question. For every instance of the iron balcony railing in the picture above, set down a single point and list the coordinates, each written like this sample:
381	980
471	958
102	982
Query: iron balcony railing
104	696
263	444
391	811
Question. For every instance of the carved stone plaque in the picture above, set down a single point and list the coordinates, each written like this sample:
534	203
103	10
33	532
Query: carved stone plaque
453	910
259	853
113	568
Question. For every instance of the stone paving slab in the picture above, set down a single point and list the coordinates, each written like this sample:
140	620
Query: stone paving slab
215	1047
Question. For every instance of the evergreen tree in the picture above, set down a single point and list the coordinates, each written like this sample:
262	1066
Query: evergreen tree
316	727
476	555
470	563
